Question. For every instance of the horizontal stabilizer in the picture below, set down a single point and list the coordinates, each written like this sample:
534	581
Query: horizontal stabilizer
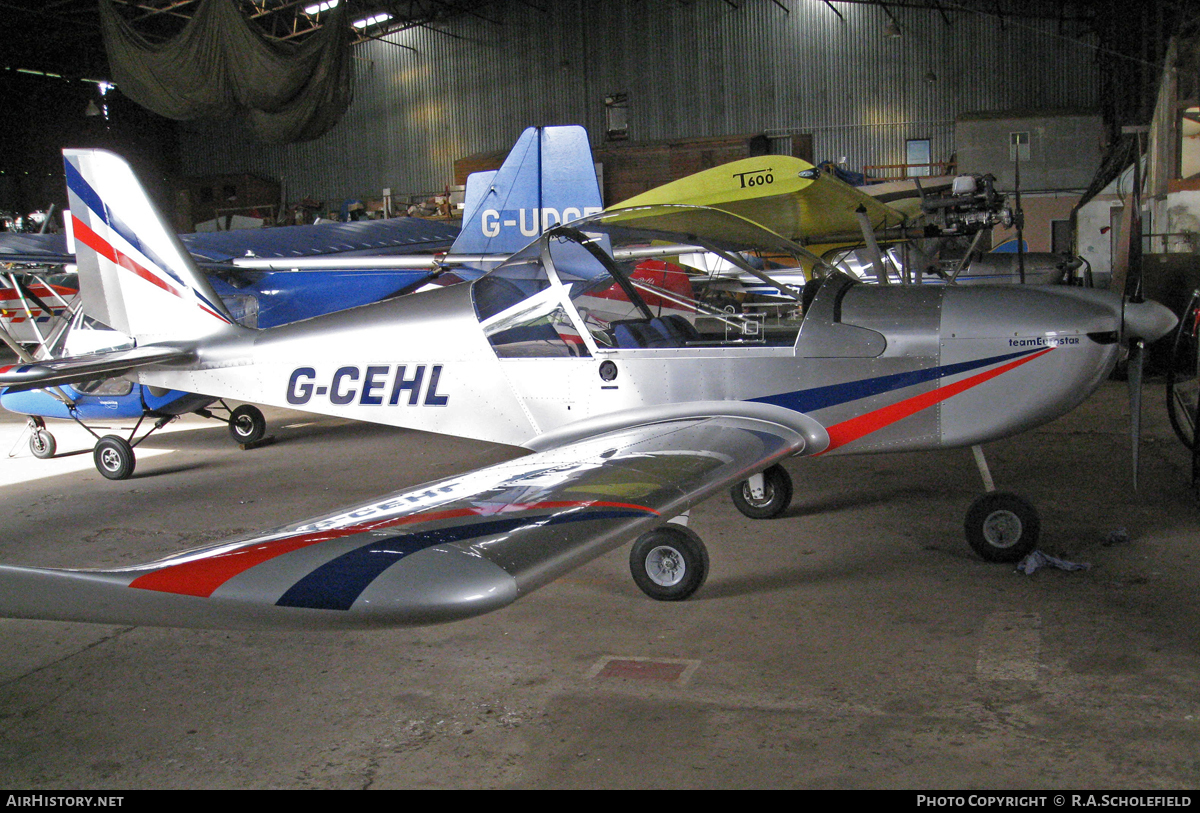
86	368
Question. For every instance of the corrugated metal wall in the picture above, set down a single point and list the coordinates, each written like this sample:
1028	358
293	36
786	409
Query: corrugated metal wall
703	68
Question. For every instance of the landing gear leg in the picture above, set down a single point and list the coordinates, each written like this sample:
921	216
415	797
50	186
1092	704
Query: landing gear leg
113	454
1000	527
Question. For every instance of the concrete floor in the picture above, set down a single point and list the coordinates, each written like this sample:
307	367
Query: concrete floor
854	643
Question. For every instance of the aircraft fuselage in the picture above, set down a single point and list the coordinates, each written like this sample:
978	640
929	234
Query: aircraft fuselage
884	368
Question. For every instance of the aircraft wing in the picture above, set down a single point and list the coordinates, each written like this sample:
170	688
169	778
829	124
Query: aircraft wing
440	552
361	238
84	368
351	245
787	195
34	249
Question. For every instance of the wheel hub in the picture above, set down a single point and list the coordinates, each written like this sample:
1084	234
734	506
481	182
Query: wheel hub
768	494
665	566
1002	529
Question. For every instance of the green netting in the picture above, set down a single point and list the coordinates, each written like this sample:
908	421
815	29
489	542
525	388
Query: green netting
220	67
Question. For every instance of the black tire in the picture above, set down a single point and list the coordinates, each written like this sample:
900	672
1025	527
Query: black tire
113	457
42	444
247	424
669	563
777	495
1002	527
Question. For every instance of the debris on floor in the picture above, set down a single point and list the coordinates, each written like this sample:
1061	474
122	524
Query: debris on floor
1038	560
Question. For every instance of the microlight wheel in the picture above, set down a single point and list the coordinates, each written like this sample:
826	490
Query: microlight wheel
1002	527
669	563
42	444
775	499
113	457
247	424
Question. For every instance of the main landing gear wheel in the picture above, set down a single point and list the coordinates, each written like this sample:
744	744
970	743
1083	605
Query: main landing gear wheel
775	498
42	444
669	563
247	424
1002	527
114	457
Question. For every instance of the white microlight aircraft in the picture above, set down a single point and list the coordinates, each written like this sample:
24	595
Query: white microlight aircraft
636	401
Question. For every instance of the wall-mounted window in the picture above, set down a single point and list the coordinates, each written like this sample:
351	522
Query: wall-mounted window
1018	146
918	155
616	117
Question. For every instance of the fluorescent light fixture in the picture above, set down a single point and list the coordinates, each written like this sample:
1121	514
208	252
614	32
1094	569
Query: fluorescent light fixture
317	8
40	73
374	19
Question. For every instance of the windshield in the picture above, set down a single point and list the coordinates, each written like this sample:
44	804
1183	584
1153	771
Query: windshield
644	278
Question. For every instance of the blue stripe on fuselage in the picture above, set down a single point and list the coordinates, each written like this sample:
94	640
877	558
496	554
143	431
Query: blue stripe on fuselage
834	394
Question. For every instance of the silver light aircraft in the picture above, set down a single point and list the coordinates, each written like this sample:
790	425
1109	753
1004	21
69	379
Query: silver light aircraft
591	348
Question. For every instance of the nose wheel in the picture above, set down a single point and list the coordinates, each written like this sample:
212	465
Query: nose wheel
1002	527
41	443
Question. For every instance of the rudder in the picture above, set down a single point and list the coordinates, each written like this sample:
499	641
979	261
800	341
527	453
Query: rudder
548	178
134	274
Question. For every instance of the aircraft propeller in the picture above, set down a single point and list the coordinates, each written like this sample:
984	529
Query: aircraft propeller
1136	313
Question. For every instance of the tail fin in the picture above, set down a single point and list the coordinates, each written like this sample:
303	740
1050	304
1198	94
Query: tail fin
134	274
547	179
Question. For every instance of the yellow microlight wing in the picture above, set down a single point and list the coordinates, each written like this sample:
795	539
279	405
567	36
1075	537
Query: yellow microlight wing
787	195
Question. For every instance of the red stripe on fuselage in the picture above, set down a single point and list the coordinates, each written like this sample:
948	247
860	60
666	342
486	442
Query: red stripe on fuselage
847	431
201	577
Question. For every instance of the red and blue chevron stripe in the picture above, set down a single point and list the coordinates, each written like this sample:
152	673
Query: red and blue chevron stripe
847	431
336	584
165	278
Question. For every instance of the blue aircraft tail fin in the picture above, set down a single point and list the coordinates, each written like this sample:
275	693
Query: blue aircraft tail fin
548	178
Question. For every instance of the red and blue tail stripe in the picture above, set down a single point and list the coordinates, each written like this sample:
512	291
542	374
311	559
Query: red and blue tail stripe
172	283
